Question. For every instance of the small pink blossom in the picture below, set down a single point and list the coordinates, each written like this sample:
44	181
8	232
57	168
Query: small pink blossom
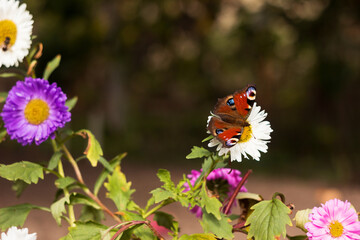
334	220
230	176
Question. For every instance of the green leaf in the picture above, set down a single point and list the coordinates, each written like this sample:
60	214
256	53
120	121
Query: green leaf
58	208
19	186
119	189
51	66
162	194
210	204
3	134
93	150
221	228
301	218
86	231
164	219
64	182
206	168
77	198
27	171
11	75
248	195
198	152
114	162
3	96
144	233
208	138
15	215
54	160
106	164
165	177
91	214
268	220
71	103
205	236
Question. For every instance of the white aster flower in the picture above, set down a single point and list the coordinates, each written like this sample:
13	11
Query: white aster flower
254	138
18	234
15	32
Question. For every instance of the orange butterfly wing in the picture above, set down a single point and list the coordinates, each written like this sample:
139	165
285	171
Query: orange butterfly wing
230	114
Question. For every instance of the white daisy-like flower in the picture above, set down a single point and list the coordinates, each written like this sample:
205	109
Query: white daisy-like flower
15	32
14	233
254	138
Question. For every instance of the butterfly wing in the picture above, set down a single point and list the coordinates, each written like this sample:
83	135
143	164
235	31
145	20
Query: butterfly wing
236	107
228	134
230	114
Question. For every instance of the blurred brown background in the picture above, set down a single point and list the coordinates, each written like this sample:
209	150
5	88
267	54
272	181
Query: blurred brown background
147	74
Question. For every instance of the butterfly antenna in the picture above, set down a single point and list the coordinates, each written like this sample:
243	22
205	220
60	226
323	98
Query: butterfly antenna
253	135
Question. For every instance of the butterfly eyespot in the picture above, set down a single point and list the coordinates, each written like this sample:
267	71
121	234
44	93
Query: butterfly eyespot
219	131
251	93
230	102
231	142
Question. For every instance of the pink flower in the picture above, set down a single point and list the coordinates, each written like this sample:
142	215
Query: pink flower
334	220
221	181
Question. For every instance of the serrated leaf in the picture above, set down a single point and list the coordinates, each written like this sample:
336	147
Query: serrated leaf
58	208
114	162
221	228
86	231
27	171
301	218
71	103
164	219
15	215
210	204
54	160
119	189
198	152
160	194
64	182
268	220
3	96
205	236
165	177
51	66
19	186
93	150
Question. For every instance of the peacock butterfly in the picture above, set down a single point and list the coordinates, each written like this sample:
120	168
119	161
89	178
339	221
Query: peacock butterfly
230	114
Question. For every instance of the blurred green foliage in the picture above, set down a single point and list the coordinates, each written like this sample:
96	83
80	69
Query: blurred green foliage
147	74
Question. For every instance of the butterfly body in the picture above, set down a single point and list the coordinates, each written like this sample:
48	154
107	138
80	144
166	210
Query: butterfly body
230	114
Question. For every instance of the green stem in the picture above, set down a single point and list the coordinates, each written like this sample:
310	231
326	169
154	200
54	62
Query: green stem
86	189
61	174
72	218
163	204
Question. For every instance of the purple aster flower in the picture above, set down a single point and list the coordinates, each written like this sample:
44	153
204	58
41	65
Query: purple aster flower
222	182
33	111
334	220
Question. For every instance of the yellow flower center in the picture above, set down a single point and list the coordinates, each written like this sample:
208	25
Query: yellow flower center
8	32
246	135
36	111
336	229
